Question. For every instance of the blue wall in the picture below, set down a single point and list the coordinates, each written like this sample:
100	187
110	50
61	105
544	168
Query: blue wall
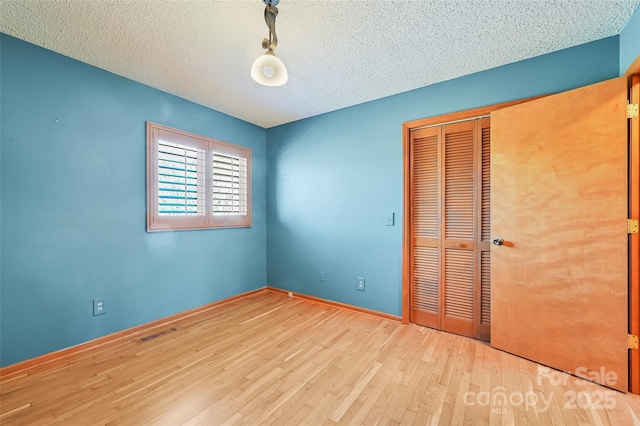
74	206
332	177
73	203
630	42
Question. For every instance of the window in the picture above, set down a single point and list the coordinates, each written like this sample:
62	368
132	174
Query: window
194	182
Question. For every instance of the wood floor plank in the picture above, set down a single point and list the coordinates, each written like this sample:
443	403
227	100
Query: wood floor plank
271	359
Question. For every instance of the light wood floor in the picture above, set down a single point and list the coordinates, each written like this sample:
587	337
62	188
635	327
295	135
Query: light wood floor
270	359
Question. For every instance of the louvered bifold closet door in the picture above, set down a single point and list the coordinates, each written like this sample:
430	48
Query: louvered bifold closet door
450	220
425	227
483	236
459	225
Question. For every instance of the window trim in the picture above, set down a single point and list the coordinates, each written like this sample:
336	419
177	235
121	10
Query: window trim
156	222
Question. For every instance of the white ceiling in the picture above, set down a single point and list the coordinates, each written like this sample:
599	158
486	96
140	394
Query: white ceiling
338	53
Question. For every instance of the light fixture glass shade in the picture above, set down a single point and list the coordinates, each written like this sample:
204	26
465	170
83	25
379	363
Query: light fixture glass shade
269	70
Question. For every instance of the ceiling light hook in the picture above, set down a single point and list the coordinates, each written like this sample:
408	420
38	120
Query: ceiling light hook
270	13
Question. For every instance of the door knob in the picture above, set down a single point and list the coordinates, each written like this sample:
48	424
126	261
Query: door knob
498	241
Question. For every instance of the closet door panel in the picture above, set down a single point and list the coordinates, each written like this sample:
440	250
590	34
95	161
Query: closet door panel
483	236
425	213
459	225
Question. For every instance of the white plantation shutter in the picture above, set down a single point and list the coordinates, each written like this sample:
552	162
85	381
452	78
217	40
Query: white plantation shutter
181	185
194	182
229	185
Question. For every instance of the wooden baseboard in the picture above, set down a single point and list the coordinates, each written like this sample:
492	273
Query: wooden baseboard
337	304
114	338
22	367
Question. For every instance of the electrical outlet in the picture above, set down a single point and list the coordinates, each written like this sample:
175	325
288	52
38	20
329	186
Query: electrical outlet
99	308
290	294
323	276
388	218
360	284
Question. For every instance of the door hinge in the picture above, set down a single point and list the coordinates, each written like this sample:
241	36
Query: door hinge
632	110
632	341
632	226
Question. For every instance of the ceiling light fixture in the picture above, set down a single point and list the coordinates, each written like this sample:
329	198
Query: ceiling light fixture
267	69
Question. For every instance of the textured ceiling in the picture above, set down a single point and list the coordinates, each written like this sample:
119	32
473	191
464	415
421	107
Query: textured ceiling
338	53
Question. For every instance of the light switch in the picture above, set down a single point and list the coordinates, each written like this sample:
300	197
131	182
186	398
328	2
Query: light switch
388	218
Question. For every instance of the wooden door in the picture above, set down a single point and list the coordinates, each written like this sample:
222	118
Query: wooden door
559	201
449	207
